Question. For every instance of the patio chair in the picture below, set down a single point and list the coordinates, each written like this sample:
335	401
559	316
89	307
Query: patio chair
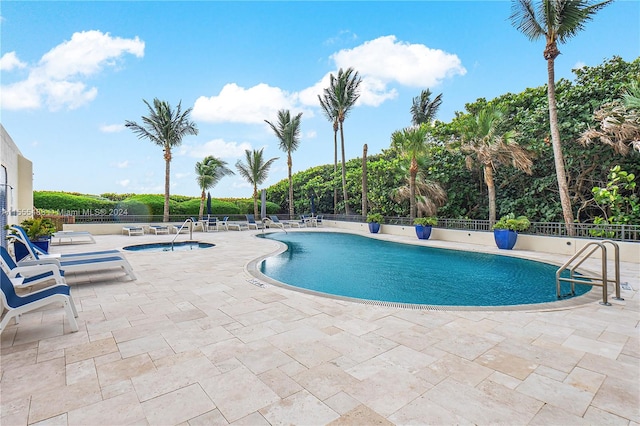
16	305
251	222
224	223
211	223
29	275
319	220
275	221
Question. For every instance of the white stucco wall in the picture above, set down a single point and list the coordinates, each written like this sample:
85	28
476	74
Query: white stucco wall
19	179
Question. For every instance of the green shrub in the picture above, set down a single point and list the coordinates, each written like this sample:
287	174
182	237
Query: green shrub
375	217
513	223
426	221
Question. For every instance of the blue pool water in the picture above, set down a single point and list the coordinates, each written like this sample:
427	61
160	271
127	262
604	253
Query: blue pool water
364	268
177	246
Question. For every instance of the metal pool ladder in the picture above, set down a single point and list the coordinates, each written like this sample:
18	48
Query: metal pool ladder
180	229
601	280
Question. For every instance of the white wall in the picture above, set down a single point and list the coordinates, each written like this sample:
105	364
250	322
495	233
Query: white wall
19	179
629	251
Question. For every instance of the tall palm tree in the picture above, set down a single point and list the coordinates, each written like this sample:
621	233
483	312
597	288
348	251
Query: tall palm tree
332	115
164	127
287	131
423	109
208	174
481	138
342	93
255	170
556	21
411	142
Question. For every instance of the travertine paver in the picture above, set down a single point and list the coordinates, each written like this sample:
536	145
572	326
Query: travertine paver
194	341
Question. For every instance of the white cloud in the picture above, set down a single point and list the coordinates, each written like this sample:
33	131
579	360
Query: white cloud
124	183
239	105
311	134
112	128
413	65
216	147
9	61
381	63
57	79
122	164
385	61
179	175
579	65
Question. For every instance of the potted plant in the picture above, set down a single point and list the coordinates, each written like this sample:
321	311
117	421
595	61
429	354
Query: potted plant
505	231
39	232
423	226
374	220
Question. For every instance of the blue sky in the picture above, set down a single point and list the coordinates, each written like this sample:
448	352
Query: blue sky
73	72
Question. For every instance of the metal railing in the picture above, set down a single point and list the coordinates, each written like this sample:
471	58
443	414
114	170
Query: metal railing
601	280
558	229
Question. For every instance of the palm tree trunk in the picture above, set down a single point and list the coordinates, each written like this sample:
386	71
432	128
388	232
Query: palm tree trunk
565	200
255	201
345	196
167	176
491	189
335	169
289	164
413	172
201	212
364	181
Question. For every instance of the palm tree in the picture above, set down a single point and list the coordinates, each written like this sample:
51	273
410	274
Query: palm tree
481	138
255	170
164	127
556	21
423	109
429	195
287	131
208	174
411	142
342	94
332	115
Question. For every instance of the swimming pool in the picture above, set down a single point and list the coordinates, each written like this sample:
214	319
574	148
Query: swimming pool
358	267
177	246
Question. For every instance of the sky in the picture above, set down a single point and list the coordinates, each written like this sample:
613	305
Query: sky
72	73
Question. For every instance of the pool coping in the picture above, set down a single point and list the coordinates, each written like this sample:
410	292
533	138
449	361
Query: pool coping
262	280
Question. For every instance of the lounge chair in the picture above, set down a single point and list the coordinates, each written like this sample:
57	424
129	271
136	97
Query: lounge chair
71	235
133	230
36	253
158	229
275	221
17	305
238	225
251	222
29	275
224	223
175	229
80	262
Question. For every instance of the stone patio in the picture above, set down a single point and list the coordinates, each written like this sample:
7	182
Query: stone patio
194	341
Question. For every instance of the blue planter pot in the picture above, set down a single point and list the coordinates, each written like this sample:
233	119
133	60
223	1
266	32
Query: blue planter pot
505	238
423	231
374	227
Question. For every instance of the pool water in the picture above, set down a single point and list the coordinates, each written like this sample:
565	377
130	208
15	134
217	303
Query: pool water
178	246
365	268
